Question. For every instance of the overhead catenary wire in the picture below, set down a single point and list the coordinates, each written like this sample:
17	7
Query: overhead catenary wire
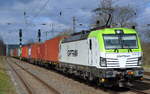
37	14
33	9
61	11
142	6
28	24
42	8
45	4
25	15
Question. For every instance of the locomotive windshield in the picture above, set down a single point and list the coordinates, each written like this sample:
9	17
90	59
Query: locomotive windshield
124	41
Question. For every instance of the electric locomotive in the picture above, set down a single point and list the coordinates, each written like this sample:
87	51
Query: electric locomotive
111	56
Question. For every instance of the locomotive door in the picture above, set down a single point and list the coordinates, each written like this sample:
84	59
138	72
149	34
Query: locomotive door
93	51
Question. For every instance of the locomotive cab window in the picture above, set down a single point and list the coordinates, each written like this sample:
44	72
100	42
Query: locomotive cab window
125	41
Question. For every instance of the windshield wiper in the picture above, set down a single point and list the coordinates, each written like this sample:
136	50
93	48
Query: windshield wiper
116	50
129	49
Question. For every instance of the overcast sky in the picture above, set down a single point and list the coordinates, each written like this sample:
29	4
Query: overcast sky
47	12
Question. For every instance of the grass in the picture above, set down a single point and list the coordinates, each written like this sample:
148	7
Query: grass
6	86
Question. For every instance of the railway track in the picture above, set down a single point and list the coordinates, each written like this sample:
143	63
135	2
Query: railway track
138	91
130	89
28	89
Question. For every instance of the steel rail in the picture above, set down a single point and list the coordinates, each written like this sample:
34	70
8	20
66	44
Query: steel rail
21	79
37	78
137	91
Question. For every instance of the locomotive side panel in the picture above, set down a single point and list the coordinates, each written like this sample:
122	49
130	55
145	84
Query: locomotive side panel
76	52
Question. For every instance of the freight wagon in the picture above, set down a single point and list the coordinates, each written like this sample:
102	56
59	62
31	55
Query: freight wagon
24	51
52	49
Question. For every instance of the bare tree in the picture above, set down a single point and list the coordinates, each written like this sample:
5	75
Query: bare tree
104	9
120	16
123	16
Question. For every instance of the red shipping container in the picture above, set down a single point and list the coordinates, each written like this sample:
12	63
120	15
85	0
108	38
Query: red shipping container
11	52
38	51
15	52
42	51
34	51
52	49
24	52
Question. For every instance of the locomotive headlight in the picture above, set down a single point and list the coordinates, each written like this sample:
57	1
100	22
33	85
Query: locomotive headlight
139	61
103	62
119	31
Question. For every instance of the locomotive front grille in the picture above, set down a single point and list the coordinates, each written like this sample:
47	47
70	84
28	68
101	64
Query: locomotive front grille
132	62
112	62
